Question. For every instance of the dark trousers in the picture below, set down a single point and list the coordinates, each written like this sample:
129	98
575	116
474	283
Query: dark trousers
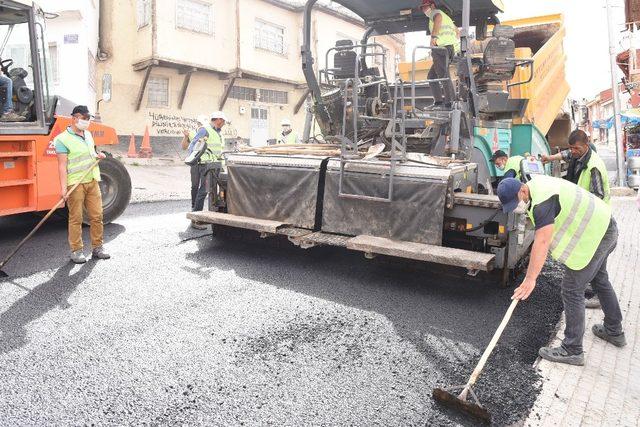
439	70
573	287
195	184
198	186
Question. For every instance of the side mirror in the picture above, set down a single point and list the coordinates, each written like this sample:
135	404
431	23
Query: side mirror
106	87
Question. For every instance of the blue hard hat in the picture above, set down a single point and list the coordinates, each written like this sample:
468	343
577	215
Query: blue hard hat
508	193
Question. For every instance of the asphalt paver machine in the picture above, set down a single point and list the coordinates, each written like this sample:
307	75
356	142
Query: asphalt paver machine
420	197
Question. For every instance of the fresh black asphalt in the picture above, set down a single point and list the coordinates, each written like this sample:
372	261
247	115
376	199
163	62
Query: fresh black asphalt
182	328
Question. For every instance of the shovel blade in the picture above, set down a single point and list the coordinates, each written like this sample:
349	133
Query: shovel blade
464	406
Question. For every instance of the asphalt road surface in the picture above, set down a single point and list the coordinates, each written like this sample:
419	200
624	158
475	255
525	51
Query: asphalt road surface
182	328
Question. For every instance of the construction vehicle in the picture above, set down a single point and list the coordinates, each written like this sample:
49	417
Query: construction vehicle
424	198
29	179
543	127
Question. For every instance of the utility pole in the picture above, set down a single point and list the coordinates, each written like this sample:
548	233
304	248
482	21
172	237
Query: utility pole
622	171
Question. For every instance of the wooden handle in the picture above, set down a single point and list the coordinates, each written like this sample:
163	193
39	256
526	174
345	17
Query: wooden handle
492	344
46	217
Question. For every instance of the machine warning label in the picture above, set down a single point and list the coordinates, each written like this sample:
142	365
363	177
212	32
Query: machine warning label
50	151
9	165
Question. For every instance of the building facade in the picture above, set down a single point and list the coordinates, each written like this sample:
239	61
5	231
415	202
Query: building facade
171	61
600	111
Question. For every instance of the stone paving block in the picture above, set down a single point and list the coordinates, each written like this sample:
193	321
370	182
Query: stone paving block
606	391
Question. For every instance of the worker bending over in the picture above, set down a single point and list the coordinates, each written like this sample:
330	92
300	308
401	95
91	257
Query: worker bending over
76	154
287	135
587	170
580	232
512	166
210	131
444	34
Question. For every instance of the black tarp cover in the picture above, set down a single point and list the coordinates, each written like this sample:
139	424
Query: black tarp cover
274	188
415	214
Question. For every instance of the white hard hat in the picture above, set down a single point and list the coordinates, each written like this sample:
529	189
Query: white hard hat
219	115
285	122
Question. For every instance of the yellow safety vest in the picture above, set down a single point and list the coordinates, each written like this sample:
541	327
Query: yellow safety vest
290	138
81	155
581	224
214	146
448	35
584	181
514	163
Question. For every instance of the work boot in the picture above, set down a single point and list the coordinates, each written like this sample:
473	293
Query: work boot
198	225
10	116
601	332
593	302
99	253
560	355
78	257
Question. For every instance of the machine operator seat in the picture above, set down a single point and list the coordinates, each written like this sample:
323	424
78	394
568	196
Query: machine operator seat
497	63
344	60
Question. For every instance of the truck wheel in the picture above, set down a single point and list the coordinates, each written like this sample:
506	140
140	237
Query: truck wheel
115	187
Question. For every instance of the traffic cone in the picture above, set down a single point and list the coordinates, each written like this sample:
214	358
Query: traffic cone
145	148
132	147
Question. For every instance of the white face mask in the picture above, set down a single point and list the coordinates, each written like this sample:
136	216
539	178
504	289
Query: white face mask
522	207
83	124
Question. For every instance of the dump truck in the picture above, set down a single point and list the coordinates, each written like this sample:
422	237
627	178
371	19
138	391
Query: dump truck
29	179
423	197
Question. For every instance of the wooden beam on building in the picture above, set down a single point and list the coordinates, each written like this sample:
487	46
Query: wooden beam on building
143	86
226	93
185	85
301	101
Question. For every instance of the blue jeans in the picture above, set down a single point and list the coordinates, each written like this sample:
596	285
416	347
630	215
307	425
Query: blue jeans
8	104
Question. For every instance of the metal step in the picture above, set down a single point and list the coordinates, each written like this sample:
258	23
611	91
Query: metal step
320	238
422	252
260	225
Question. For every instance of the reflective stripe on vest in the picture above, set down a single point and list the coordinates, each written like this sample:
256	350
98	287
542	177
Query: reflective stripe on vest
214	146
80	156
584	181
448	35
514	163
290	138
579	227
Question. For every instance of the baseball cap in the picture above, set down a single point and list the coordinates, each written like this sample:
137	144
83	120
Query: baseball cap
80	109
219	115
497	154
508	193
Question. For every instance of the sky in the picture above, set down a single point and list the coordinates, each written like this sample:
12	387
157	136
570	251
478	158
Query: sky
586	43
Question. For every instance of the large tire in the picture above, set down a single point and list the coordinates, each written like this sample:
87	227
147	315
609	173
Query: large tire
115	187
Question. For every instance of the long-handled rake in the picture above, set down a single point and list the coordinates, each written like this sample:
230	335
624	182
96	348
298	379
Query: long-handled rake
460	402
42	221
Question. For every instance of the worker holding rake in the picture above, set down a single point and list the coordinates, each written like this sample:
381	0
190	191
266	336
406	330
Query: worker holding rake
79	183
577	228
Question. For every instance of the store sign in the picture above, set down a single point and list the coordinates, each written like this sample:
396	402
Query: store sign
70	39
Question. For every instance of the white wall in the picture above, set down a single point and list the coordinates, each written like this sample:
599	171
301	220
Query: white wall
77	17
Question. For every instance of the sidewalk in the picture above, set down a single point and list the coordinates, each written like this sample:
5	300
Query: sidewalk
606	391
159	183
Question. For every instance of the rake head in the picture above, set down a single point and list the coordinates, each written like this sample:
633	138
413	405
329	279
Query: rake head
467	407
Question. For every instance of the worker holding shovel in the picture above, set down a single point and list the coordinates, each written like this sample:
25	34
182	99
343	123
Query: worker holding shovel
580	232
79	183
